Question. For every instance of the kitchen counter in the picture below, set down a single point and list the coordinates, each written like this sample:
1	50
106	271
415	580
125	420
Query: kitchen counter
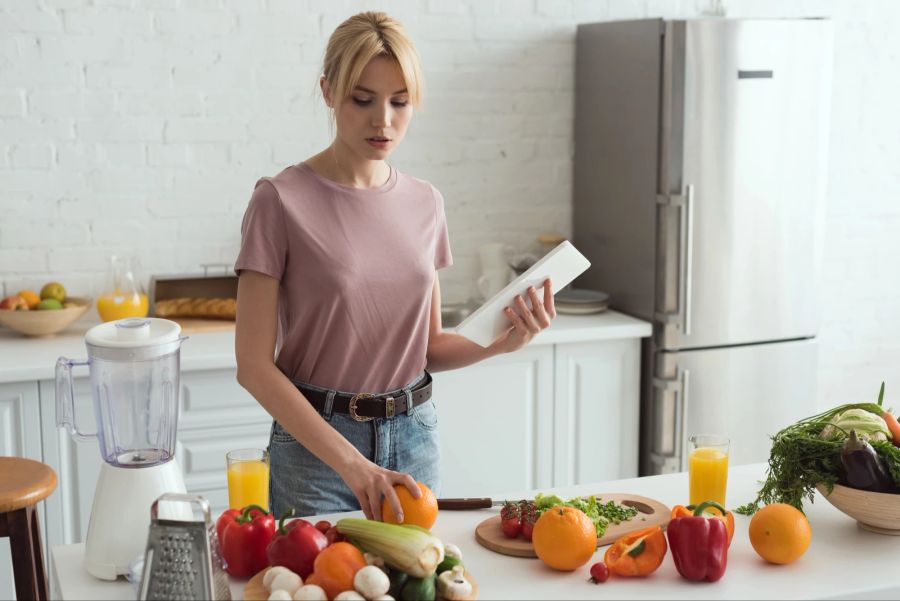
23	358
843	561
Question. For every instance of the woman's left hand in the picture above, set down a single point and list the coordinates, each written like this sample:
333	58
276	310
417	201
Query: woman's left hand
526	323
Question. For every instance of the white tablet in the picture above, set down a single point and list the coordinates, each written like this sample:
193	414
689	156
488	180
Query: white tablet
562	265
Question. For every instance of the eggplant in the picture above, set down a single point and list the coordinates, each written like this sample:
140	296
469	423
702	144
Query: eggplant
863	468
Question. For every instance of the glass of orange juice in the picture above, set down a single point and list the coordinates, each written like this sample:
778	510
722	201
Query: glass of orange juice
248	478
708	468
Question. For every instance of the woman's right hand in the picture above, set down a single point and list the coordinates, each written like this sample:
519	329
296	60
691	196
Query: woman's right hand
370	483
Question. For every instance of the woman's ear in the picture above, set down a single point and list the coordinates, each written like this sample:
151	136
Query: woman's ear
326	92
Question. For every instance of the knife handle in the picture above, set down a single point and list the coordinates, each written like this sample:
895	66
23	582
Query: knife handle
461	504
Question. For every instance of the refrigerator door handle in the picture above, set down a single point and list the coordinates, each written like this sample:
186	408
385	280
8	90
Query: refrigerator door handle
686	256
683	415
672	461
685	205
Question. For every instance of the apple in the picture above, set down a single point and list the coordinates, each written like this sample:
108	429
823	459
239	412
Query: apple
14	303
53	290
49	304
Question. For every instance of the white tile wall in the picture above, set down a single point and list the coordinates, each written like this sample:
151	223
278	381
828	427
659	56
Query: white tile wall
141	125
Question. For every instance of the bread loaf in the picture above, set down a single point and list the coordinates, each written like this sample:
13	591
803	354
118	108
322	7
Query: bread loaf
214	308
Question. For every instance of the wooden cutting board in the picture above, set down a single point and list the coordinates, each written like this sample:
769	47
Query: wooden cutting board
255	591
651	512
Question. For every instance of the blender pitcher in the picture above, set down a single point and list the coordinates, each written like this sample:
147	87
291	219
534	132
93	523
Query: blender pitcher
134	369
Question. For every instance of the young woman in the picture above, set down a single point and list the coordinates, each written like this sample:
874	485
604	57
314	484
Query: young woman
338	282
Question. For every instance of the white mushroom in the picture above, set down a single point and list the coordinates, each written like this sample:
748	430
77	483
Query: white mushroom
371	582
451	550
453	585
280	594
384	598
310	592
289	582
350	596
271	573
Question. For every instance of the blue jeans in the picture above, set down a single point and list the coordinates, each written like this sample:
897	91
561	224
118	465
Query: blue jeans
406	443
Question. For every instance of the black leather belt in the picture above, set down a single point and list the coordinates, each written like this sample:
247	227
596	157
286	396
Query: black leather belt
364	407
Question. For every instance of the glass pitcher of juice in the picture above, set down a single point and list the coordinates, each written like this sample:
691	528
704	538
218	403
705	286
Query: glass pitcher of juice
123	294
248	478
708	468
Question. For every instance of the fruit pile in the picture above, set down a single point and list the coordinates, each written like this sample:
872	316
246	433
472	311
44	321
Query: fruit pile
52	297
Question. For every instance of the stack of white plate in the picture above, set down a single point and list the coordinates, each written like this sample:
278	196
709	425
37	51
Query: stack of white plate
574	301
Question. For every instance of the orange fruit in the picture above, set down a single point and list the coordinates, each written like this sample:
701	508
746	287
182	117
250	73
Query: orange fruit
564	538
420	512
780	533
31	297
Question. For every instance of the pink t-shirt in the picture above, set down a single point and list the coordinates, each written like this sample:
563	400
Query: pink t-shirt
356	268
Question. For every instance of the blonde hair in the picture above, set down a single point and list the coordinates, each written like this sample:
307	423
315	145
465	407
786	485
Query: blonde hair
361	38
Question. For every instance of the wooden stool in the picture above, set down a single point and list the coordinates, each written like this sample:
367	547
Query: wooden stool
24	483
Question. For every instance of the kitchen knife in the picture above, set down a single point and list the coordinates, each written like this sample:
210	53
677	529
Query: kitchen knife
464	504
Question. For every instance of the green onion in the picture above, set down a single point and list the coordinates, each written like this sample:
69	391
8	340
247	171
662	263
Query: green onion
411	550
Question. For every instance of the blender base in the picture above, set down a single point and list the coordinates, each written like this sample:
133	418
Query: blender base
120	514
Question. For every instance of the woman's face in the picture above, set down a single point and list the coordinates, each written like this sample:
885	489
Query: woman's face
373	119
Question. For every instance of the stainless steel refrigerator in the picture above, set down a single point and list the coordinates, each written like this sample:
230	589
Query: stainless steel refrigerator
699	181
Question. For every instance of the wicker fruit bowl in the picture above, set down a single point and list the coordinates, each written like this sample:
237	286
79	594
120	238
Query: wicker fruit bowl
875	511
45	323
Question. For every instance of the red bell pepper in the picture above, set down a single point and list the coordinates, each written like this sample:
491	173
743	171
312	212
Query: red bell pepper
711	512
296	545
244	536
699	544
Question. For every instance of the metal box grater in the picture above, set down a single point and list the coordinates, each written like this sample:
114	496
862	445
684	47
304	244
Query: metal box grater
183	560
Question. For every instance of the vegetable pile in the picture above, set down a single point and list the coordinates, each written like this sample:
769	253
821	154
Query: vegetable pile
354	559
857	445
601	514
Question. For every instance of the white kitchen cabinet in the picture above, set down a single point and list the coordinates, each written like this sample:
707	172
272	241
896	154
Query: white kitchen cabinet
77	464
495	422
548	415
596	411
19	423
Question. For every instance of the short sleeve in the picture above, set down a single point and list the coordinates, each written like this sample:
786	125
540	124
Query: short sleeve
442	255
263	234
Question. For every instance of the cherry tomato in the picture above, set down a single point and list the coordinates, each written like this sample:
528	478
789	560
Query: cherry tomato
511	527
333	536
323	526
509	520
599	572
527	529
527	518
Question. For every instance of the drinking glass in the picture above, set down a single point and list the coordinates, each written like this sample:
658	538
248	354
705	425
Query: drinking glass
248	478
708	468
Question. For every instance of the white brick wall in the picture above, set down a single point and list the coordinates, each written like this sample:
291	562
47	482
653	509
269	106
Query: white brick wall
141	126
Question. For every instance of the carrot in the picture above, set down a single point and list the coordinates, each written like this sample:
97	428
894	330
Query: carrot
893	425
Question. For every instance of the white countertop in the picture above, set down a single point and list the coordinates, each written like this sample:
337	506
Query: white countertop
843	561
28	359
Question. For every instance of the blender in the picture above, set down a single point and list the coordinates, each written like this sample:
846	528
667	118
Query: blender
134	374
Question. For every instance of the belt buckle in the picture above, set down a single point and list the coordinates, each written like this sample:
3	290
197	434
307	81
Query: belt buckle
354	400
